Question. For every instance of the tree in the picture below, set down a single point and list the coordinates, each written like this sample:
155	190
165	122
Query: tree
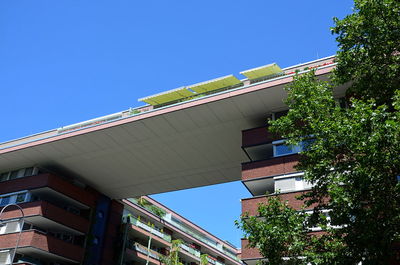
369	49
173	256
351	155
203	259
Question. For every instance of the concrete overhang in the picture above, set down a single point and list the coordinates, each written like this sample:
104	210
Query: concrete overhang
190	144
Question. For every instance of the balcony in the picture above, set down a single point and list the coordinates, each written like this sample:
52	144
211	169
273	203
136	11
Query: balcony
250	205
44	212
142	249
214	261
211	260
190	250
136	251
187	250
257	136
134	221
269	167
53	186
35	243
215	246
203	239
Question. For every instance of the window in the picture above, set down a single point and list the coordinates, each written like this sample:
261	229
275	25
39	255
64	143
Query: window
23	172
15	197
14	174
28	172
292	182
13	227
4	176
285	184
5	200
20	197
328	219
281	149
10	227
5	257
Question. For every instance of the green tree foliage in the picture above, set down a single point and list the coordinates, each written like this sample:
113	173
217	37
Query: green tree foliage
352	155
278	231
369	49
150	207
203	259
173	256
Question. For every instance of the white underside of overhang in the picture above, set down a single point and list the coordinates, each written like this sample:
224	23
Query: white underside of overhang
194	146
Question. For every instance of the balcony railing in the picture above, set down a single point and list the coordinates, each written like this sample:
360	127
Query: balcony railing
203	239
211	260
148	228
191	250
218	263
142	249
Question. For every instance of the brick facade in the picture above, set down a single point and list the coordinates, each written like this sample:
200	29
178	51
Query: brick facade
269	167
52	181
48	210
257	136
39	240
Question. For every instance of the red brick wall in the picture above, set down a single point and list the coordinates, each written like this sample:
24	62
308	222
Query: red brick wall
48	180
253	253
250	205
44	242
49	211
249	253
270	167
257	136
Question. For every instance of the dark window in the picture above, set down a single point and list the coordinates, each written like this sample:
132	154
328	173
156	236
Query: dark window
29	171
14	174
20	198
5	200
4	176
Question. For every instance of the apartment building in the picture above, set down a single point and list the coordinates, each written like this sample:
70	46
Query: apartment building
270	171
150	228
66	222
73	198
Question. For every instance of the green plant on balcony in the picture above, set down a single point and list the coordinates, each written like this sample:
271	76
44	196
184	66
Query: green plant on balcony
135	111
150	207
173	257
203	259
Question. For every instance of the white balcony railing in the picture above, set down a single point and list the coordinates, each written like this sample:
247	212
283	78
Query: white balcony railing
191	250
150	229
144	250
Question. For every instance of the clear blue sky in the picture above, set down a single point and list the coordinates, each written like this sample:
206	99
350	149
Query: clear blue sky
67	61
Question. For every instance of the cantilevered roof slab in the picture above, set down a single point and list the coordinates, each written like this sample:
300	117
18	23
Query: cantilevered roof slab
186	145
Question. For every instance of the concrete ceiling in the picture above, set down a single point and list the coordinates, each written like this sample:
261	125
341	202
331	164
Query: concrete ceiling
191	144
